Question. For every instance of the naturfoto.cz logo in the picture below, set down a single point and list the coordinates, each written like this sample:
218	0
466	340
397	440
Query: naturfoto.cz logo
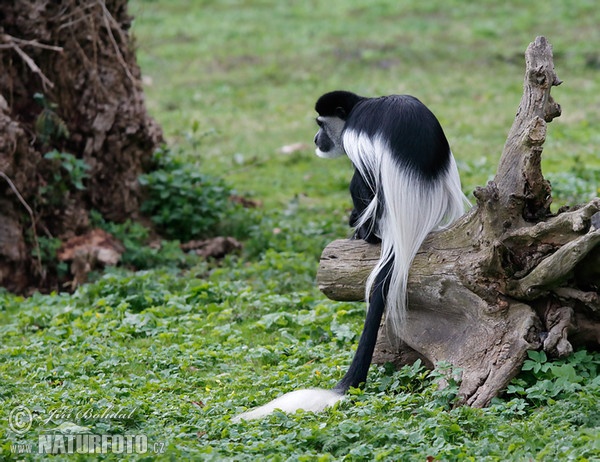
69	438
90	444
20	420
21	417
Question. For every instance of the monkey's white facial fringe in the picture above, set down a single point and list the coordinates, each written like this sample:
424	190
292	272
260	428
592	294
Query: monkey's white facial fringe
412	209
330	154
312	399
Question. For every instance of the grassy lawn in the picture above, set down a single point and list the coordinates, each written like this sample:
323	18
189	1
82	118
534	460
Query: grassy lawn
173	352
248	73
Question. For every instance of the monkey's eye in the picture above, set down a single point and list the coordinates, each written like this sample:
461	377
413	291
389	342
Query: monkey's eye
319	122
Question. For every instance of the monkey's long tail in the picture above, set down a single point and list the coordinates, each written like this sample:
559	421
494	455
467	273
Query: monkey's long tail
316	399
359	368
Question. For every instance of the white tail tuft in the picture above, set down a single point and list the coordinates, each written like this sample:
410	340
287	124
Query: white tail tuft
312	399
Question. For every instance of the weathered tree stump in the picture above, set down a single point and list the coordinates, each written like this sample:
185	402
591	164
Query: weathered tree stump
69	83
507	277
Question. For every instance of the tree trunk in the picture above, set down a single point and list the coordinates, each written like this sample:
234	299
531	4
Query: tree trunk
69	83
506	278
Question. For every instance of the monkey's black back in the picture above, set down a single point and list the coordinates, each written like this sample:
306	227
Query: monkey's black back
411	131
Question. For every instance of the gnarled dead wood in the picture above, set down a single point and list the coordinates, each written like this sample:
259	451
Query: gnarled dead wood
507	277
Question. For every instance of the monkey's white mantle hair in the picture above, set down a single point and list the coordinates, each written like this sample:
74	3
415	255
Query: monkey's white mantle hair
412	208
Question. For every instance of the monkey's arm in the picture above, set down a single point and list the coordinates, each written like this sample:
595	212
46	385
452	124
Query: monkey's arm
361	198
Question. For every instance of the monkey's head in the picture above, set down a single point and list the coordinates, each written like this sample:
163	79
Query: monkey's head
333	109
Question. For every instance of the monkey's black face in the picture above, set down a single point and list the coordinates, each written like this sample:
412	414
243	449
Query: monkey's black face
323	142
329	137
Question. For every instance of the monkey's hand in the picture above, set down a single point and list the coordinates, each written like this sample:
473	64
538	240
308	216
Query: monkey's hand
366	233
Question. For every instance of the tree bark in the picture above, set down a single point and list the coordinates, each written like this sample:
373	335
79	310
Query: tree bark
69	83
506	278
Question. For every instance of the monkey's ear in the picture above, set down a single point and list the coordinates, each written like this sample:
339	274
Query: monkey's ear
341	113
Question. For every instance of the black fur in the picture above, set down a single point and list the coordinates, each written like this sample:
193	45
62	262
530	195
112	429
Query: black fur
337	104
412	132
361	197
417	142
323	141
359	368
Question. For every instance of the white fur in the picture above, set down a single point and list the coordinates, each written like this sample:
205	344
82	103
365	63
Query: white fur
412	210
329	154
312	399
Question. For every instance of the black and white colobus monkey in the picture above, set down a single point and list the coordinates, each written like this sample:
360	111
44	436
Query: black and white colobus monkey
405	185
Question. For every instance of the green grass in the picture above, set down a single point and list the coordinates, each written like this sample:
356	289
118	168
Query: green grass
184	347
249	73
179	356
